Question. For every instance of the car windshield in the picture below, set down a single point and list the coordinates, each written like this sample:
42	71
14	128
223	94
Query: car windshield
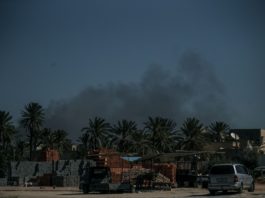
100	173
224	169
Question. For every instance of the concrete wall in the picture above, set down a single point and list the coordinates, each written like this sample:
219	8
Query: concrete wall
3	181
67	171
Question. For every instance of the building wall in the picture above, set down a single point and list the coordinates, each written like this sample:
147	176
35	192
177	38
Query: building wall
65	170
262	134
252	135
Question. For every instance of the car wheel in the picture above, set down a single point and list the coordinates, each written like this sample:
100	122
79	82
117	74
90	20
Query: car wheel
85	189
212	192
240	190
224	191
251	188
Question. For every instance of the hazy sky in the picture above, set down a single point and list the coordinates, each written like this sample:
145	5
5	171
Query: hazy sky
134	58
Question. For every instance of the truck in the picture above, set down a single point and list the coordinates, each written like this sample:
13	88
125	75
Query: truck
98	179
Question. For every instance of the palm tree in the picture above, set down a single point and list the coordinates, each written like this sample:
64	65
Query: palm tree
162	134
20	148
122	135
7	129
97	132
48	138
194	136
32	120
55	140
84	140
219	130
141	144
62	142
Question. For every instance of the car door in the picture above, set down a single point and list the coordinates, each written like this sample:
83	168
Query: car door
249	178
244	175
241	175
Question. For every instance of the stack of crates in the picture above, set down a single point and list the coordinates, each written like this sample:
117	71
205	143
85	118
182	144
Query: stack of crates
166	169
111	159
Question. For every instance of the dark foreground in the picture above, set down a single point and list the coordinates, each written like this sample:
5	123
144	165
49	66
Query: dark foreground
48	192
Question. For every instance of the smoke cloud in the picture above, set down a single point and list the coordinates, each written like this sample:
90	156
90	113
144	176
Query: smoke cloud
192	89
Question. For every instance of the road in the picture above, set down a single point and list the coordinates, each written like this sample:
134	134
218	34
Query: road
74	193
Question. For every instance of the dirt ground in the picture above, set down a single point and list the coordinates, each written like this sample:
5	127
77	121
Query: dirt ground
48	192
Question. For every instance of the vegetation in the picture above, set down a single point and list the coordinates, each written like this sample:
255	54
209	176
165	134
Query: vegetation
161	134
141	144
122	135
156	135
248	157
55	140
7	131
219	131
96	133
195	135
32	120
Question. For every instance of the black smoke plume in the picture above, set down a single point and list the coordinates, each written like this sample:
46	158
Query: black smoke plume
192	89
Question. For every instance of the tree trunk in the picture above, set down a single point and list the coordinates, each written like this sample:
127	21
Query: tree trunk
30	144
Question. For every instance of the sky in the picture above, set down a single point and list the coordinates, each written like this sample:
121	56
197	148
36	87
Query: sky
130	59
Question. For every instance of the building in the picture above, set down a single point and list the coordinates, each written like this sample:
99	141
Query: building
250	137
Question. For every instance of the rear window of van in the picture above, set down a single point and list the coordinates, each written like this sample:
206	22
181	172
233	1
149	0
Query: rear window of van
224	169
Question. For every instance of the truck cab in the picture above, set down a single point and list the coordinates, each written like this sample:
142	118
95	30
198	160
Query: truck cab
98	179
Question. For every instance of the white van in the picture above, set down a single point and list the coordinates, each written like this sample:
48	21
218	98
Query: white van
225	177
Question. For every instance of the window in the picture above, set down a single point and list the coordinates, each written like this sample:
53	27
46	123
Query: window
241	169
224	169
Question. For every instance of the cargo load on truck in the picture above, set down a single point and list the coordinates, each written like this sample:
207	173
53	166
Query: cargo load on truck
98	179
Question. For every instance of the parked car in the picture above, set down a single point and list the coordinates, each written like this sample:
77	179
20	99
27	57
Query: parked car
259	172
202	180
226	177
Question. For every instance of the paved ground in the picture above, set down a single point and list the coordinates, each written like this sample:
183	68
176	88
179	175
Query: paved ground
75	193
